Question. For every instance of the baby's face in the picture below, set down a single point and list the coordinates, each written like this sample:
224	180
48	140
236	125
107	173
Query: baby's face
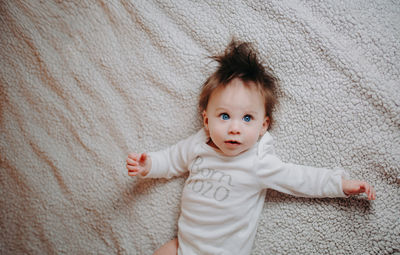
235	117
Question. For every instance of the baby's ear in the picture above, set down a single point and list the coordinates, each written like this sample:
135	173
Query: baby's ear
205	120
265	125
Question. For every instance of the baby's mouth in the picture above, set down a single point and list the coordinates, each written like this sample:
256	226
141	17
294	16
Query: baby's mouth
232	142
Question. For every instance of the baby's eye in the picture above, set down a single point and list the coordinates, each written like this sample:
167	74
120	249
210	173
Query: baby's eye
247	118
224	116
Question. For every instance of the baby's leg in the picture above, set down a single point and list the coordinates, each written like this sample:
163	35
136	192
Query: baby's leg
170	248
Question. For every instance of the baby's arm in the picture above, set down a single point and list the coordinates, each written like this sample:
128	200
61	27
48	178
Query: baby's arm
353	187
138	164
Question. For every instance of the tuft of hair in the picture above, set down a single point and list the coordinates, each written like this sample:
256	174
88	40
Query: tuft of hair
240	61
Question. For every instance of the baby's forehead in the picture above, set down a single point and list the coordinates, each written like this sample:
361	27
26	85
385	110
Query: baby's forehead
239	88
237	97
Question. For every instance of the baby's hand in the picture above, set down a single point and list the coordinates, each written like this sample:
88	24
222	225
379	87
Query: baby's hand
353	187
138	164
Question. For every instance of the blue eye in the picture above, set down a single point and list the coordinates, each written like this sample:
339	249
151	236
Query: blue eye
224	116
247	118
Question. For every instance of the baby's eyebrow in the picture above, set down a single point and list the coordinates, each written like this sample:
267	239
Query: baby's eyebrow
221	109
251	112
227	109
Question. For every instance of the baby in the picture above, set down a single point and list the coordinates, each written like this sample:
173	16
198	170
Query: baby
231	162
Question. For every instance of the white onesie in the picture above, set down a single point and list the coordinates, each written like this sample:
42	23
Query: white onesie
223	196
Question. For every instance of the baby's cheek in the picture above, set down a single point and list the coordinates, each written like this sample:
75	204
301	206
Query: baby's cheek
254	140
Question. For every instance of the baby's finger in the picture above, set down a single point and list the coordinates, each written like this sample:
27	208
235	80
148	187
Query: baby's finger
370	192
143	157
132	168
373	194
132	173
366	190
131	162
134	156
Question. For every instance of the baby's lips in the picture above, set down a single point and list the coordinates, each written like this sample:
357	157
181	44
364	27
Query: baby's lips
232	142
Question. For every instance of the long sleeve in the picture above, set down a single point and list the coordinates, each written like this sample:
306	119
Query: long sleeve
172	161
298	180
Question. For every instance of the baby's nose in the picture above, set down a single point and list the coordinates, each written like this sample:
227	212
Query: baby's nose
234	128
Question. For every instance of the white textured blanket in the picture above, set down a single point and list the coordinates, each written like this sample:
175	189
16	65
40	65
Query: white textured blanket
85	82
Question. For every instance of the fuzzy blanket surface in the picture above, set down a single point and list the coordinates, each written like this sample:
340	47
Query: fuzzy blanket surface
85	82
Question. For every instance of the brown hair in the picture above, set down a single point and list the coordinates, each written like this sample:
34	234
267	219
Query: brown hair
240	61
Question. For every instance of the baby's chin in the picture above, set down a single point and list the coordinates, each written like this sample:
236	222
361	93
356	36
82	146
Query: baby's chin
228	150
232	153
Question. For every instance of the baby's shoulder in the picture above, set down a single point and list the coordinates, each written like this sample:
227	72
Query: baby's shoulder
195	143
265	146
